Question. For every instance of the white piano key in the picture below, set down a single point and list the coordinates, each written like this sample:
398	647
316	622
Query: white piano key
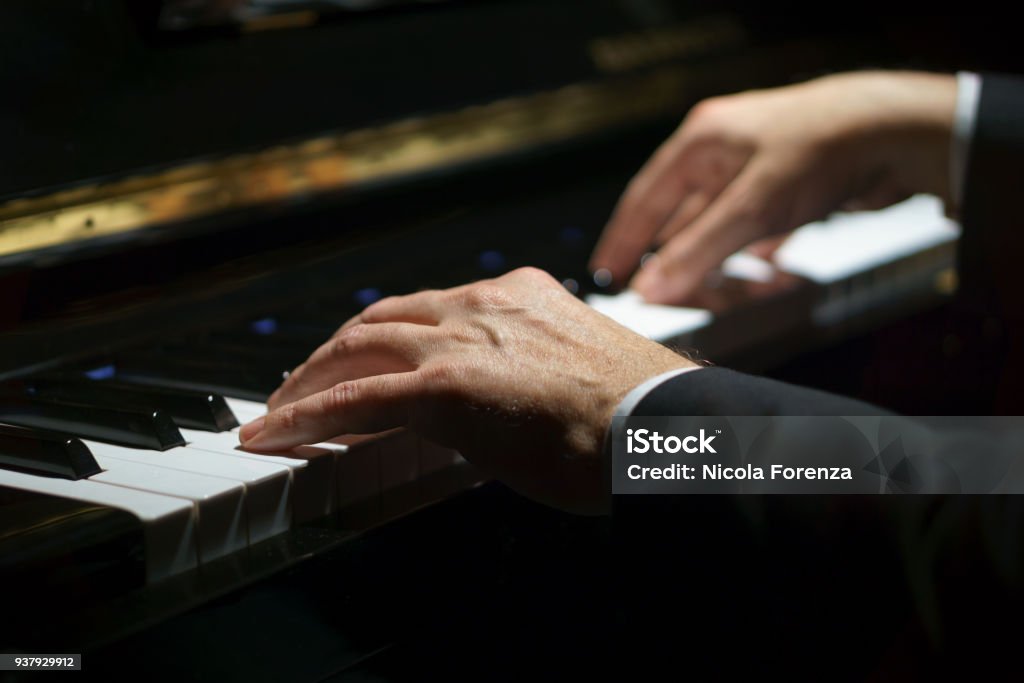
244	410
365	466
847	244
312	469
168	523
219	503
267	485
656	322
745	266
247	411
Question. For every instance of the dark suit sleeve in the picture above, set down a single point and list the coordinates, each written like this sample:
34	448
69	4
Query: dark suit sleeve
923	540
993	231
718	391
934	549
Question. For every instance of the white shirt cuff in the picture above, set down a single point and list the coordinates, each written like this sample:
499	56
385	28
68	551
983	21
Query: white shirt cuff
634	397
628	404
968	92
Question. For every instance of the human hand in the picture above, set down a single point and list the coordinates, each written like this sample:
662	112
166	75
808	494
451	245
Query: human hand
515	373
747	166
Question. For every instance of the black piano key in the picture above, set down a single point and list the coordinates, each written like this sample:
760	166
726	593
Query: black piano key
57	555
152	429
54	455
191	409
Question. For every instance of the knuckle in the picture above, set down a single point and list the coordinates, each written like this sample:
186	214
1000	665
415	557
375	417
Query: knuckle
340	397
533	274
487	296
348	340
287	417
439	376
462	334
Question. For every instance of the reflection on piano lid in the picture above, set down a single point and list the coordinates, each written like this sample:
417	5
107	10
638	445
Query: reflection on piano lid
83	550
168	523
350	161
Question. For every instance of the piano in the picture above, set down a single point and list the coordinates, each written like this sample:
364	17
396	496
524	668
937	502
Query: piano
194	195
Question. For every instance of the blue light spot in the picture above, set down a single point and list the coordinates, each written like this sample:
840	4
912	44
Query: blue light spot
491	261
571	236
602	277
264	326
103	372
365	297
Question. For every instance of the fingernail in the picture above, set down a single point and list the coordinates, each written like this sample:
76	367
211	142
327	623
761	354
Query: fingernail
250	431
602	277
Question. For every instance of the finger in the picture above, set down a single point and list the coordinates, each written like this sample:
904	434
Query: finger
363	406
649	200
359	351
422	308
717	171
688	210
739	215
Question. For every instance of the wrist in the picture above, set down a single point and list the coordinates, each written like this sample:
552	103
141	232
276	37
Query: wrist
620	395
913	130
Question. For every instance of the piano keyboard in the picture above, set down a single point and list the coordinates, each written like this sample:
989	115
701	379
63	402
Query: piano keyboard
154	431
858	259
205	498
